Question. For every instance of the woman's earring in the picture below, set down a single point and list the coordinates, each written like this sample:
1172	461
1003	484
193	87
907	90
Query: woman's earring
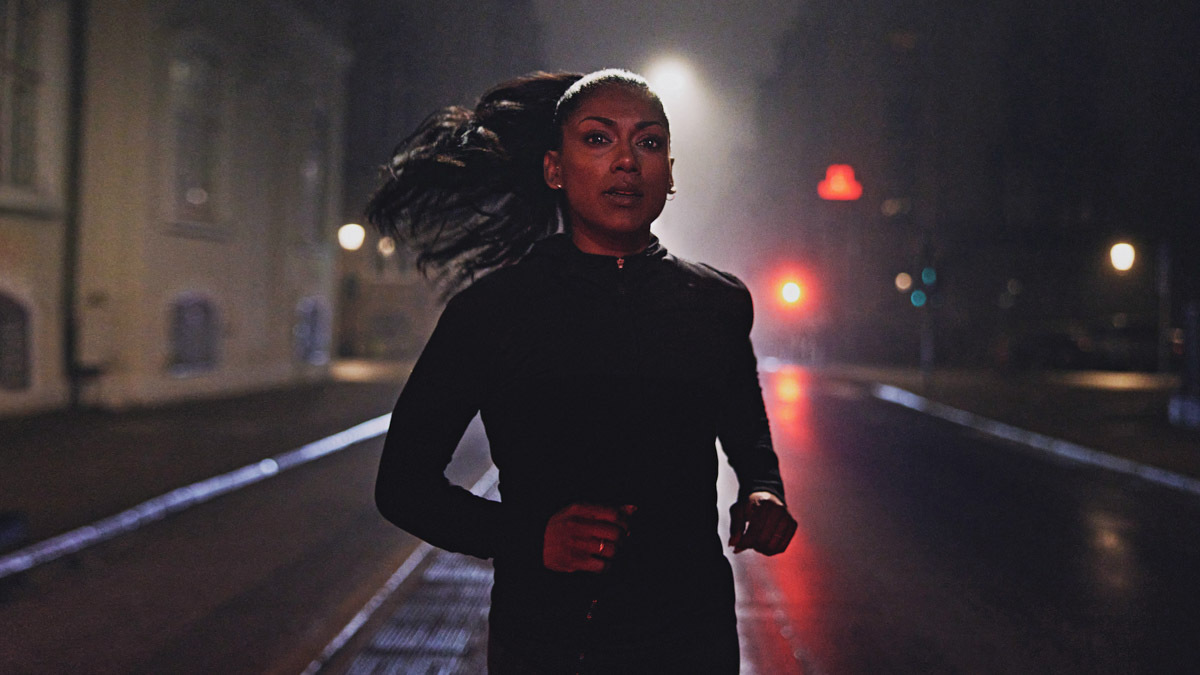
671	194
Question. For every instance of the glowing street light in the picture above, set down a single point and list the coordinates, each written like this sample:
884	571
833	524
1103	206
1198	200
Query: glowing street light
351	236
682	91
672	79
791	292
1122	256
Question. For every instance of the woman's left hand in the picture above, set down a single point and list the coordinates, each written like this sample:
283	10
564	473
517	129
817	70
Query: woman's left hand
762	523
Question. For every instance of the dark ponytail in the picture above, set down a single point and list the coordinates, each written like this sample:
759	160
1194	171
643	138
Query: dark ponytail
465	190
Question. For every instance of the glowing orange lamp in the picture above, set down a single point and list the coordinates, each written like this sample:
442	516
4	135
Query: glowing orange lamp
839	184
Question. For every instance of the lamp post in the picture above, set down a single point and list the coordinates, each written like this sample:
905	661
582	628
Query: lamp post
351	237
1123	257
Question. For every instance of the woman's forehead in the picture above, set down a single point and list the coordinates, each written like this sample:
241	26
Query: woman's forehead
613	101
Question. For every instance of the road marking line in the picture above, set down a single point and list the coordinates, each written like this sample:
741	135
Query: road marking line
186	497
414	559
1071	451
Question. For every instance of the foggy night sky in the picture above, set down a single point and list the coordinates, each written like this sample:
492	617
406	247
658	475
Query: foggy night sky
729	46
732	43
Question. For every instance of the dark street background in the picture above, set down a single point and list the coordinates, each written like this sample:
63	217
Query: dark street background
971	232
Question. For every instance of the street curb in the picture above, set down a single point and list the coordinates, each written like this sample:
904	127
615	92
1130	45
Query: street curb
1055	446
185	497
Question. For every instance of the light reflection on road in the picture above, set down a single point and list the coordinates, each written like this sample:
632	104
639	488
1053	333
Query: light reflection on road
1112	561
789	405
779	595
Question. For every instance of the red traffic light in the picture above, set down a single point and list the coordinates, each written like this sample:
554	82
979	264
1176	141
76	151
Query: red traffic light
791	292
839	184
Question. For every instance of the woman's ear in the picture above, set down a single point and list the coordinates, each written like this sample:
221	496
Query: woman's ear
552	169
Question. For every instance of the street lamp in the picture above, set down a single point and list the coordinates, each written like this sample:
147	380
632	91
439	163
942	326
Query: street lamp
791	292
351	236
672	79
1122	256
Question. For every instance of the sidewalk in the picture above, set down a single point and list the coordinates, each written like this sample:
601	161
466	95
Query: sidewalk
1122	414
63	470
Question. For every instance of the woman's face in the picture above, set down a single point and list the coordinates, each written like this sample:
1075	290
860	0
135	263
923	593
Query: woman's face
614	169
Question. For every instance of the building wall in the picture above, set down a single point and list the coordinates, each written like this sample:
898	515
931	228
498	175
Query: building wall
32	223
254	253
261	250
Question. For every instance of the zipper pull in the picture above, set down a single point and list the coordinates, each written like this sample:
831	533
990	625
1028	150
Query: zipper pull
620	263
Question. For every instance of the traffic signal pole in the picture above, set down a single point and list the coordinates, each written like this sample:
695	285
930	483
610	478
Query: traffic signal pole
1184	409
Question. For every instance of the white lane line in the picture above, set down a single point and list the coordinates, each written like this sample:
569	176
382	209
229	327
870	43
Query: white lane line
185	497
414	559
1066	449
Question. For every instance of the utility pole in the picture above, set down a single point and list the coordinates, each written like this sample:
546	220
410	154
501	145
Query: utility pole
1164	307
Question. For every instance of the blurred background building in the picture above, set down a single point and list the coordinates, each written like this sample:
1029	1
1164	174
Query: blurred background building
173	177
173	174
412	58
1002	148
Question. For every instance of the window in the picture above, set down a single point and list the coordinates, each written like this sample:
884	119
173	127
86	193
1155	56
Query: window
20	78
34	65
195	94
14	345
314	178
195	335
311	332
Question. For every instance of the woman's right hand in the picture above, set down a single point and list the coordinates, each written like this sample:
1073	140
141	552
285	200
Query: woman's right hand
584	537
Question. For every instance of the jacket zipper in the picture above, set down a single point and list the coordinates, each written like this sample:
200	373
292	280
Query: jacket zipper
587	622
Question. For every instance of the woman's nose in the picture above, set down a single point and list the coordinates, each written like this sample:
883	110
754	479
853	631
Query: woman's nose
626	159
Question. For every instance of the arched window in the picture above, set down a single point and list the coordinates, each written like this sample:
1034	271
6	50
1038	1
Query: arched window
14	345
195	81
312	331
195	335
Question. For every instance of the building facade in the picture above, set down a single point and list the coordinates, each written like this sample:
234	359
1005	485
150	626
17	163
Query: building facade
172	181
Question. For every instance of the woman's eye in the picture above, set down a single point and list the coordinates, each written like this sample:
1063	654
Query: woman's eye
652	142
595	139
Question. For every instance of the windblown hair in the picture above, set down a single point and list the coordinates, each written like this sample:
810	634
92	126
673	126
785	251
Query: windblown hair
466	189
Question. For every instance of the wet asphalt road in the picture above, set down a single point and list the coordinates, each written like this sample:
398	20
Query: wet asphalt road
922	548
928	548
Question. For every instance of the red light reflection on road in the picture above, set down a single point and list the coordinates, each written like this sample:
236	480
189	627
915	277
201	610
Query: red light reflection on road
796	577
789	407
792	583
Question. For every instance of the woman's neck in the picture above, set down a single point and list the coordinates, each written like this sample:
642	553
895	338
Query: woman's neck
604	244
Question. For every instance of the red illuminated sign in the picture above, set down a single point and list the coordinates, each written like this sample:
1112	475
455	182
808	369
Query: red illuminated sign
839	184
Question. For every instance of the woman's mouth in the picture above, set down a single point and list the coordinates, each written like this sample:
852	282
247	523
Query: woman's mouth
623	195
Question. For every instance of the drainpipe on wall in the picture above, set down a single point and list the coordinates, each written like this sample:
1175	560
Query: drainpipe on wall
76	374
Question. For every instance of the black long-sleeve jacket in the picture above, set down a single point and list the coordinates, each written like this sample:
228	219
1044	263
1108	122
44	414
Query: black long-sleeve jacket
599	380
